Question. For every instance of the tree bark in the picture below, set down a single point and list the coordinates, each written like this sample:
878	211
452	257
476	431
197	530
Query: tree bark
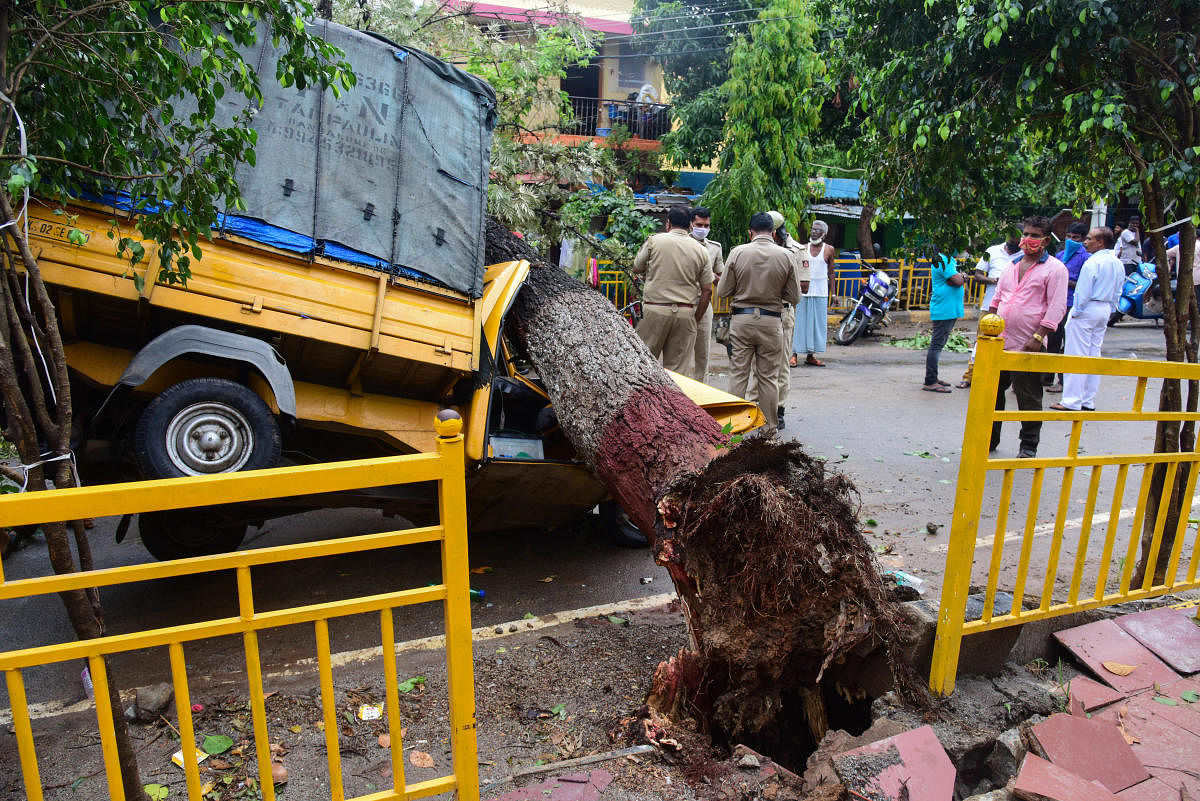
866	237
762	543
36	392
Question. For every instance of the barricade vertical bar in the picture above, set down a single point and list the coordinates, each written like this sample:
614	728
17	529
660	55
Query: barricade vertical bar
1060	521
968	496
1160	521
989	600
26	750
395	730
183	713
1185	513
1110	536
1195	561
108	734
452	503
333	755
258	702
1085	532
1135	536
1035	499
1139	394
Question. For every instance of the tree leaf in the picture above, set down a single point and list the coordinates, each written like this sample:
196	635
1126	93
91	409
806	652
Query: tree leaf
1191	696
410	684
216	744
1118	668
1162	699
156	792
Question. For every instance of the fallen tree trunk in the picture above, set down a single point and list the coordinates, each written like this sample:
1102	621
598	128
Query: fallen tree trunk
762	542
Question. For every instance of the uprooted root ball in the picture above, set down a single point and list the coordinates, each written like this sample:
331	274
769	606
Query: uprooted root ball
786	588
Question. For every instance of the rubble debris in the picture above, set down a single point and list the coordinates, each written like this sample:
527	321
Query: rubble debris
1091	694
1040	780
1091	749
1105	641
1169	634
1005	759
568	787
912	765
152	701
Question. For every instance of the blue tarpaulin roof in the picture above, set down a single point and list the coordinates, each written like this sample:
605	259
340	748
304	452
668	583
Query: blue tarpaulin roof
841	189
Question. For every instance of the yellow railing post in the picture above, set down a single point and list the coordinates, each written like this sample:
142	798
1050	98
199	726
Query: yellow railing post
968	495
452	501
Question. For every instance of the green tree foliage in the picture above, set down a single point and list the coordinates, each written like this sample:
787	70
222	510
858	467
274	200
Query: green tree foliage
91	99
537	184
1105	95
694	42
774	89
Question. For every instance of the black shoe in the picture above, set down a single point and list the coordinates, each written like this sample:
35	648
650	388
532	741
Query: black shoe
782	424
1026	453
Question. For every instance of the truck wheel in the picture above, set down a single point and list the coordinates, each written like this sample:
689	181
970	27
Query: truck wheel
184	533
620	528
198	427
203	426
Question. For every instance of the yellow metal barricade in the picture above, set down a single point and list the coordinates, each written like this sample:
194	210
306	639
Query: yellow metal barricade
446	467
1107	581
614	285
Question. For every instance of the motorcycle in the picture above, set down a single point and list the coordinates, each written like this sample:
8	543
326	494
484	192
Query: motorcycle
878	293
1139	297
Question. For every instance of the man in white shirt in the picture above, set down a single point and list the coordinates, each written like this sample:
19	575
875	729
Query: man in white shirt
988	272
1096	293
1129	245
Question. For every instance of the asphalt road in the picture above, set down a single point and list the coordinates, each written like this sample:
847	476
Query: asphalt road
864	412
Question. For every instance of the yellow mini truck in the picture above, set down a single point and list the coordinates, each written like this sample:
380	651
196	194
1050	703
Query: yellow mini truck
267	358
337	309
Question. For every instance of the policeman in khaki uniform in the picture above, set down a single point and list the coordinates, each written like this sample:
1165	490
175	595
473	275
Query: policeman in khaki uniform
701	225
800	265
759	277
677	269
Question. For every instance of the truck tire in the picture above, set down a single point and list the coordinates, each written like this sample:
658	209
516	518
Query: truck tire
199	427
621	529
203	426
183	533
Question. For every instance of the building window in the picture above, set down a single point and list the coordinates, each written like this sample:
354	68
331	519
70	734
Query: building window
631	72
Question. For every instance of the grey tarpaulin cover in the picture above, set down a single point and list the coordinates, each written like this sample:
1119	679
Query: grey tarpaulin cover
393	174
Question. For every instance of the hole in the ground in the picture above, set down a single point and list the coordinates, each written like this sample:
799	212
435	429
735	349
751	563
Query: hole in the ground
791	743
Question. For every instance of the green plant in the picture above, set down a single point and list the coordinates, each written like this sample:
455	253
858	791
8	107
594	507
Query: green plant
730	439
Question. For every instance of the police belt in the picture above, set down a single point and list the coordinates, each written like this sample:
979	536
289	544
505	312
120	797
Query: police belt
753	309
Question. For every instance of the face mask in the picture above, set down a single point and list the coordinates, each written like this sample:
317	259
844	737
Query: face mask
815	238
1032	245
700	233
1070	248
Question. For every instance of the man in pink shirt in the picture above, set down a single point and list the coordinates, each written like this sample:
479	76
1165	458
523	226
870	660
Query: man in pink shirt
1032	298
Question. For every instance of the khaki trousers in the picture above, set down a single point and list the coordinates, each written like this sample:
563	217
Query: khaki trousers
703	343
784	377
757	346
670	332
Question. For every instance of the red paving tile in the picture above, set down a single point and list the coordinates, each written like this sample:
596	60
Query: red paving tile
1184	715
1091	749
1105	641
1041	780
1150	790
1163	744
914	759
1092	694
1169	633
568	787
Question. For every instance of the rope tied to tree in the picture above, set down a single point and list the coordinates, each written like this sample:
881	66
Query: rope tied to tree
47	458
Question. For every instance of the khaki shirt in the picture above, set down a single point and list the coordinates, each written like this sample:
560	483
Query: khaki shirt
716	260
760	274
676	267
803	273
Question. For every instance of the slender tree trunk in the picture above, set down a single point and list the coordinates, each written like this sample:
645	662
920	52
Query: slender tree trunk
36	392
866	237
779	586
1180	331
